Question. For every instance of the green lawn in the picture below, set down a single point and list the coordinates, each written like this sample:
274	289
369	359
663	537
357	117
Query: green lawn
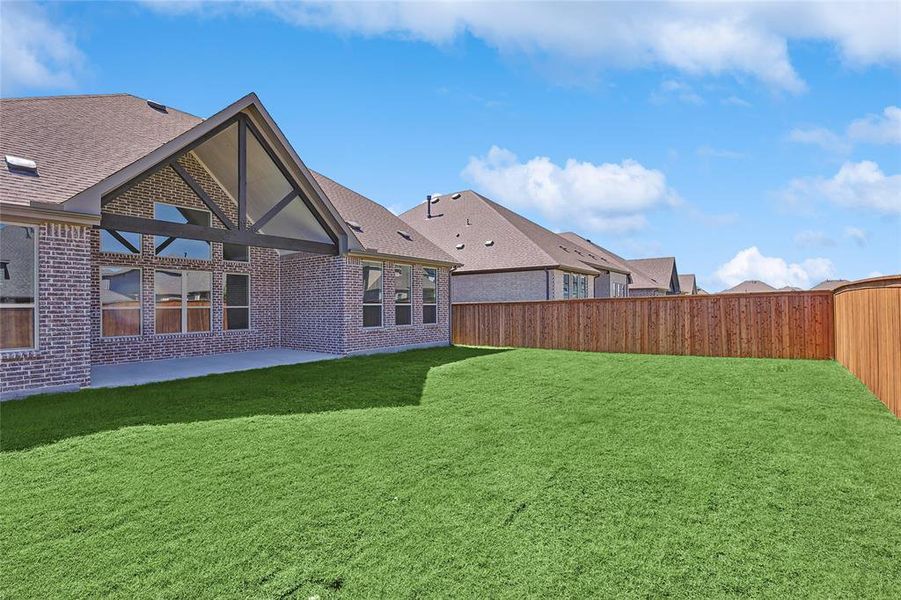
456	473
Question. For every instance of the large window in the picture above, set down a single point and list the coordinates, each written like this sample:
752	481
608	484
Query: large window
575	286
120	301
429	295
18	287
236	302
566	286
182	301
235	252
181	247
372	294
403	288
120	242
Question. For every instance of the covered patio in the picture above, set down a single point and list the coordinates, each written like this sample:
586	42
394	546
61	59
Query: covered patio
136	373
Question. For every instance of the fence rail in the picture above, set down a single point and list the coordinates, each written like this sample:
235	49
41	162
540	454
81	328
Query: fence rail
868	335
772	325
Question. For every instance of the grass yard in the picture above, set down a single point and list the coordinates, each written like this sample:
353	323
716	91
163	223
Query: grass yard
458	472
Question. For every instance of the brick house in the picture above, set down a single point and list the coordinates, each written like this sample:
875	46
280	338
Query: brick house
131	231
506	257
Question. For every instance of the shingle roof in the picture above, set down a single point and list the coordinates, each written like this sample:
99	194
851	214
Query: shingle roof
473	220
749	287
658	270
379	227
597	256
830	284
687	284
78	141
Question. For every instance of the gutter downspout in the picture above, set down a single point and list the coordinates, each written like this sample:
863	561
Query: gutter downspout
450	307
547	284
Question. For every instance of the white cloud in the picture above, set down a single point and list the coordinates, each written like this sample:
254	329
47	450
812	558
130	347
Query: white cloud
822	137
857	235
872	129
750	263
876	129
736	101
809	238
679	90
608	197
697	39
34	51
860	185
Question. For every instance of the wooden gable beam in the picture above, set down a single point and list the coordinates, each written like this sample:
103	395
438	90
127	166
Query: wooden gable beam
195	187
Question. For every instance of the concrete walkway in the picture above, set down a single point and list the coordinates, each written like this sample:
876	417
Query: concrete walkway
195	366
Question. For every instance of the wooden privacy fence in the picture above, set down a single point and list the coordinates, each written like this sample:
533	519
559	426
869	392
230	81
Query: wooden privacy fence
868	335
771	325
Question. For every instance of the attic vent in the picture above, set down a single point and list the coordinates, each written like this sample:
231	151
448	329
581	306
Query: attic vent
592	255
564	248
435	199
455	196
489	242
460	246
18	164
354	225
404	234
157	106
579	253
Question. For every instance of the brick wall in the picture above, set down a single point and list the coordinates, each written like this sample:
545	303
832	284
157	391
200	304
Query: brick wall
166	186
64	322
500	287
312	299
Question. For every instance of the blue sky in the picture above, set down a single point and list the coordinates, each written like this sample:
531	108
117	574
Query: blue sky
727	135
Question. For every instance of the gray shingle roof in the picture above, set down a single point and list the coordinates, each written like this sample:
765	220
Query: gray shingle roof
658	272
473	220
379	226
687	284
830	284
750	286
78	141
597	256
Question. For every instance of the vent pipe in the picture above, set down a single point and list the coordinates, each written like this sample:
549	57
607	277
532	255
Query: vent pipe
428	206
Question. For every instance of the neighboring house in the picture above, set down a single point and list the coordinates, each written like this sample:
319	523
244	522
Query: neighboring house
505	256
615	274
751	286
654	277
143	232
829	284
687	285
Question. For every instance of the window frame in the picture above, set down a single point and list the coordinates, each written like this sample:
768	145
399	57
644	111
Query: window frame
567	286
435	303
184	306
232	260
140	332
409	303
209	225
381	303
34	304
225	306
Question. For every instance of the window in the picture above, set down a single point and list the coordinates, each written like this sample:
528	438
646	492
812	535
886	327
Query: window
120	301
120	242
429	295
372	294
583	286
235	252
18	287
180	247
403	284
566	286
236	302
182	301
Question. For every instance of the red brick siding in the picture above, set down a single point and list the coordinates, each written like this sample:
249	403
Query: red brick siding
64	322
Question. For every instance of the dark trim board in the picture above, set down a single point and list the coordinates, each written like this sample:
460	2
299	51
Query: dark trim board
210	234
195	187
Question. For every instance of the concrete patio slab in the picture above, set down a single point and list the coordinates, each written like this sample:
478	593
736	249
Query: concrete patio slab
196	366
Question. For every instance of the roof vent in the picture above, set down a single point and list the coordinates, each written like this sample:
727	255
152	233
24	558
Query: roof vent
455	196
489	242
354	225
157	106
435	199
18	164
564	248
460	246
404	234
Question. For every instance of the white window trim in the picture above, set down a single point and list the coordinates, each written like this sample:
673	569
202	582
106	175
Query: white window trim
184	303
435	303
34	304
409	302
231	260
210	224
140	271
381	304
226	306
